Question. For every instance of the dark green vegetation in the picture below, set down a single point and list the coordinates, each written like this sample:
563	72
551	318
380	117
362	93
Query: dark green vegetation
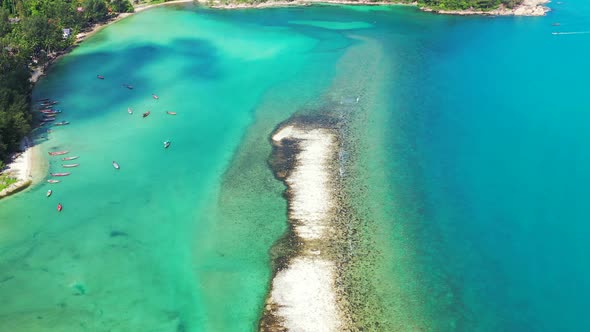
31	34
468	4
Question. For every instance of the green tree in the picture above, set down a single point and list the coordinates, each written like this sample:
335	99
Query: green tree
95	11
121	6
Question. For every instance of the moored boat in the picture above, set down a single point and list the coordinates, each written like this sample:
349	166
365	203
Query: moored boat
50	111
166	144
59	207
100	77
171	113
128	86
116	165
58	153
129	110
70	165
146	114
61	174
49	192
62	123
155	96
52	181
70	158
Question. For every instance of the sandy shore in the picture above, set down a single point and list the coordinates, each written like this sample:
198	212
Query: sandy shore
21	168
303	295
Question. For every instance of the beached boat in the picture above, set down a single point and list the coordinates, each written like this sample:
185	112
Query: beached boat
62	123
116	165
166	144
58	153
70	165
171	113
49	192
146	114
70	158
59	207
129	110
61	174
52	181
100	77
155	96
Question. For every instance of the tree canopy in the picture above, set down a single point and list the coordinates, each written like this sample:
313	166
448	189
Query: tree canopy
31	32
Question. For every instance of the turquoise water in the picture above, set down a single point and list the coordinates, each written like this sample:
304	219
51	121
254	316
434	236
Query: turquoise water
476	169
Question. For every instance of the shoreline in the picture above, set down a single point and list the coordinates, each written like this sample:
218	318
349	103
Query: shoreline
527	8
22	167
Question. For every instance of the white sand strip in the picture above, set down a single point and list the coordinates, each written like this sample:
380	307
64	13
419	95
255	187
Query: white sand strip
304	292
20	168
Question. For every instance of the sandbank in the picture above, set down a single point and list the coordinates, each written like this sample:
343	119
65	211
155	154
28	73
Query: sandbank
303	295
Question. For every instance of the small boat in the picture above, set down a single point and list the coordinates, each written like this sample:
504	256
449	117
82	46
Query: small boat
48	120
171	113
146	114
155	96
129	110
70	158
53	181
62	123
128	86
49	116
57	153
60	174
43	99
49	192
50	111
70	165
116	165
100	77
166	144
59	207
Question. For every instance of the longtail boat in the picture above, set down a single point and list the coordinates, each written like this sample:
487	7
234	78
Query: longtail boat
171	113
155	96
69	165
53	181
49	192
70	158
100	77
61	174
146	114
63	123
58	153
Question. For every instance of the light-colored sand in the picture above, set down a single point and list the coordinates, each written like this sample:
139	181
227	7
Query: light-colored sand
20	168
304	292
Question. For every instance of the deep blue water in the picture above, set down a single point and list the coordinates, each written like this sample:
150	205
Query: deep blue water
498	115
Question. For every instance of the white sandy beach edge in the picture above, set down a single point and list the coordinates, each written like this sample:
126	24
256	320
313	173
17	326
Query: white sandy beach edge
303	292
21	168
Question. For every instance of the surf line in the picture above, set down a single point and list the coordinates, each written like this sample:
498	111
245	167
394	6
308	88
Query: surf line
303	295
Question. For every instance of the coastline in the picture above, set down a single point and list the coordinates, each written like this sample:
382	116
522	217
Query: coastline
23	168
527	8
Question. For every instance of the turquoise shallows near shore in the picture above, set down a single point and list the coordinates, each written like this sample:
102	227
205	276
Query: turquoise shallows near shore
469	150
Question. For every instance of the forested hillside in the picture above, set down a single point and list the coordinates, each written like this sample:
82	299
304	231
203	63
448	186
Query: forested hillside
31	33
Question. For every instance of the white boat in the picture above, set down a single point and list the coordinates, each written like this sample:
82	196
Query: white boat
115	165
49	192
129	110
166	144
